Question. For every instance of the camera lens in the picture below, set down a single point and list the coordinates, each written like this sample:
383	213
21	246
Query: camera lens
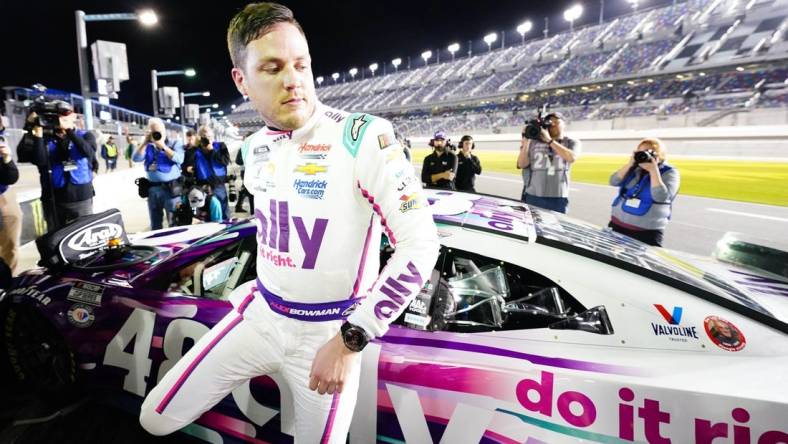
156	135
642	157
204	141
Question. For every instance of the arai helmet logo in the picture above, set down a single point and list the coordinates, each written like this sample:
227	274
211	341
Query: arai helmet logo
94	236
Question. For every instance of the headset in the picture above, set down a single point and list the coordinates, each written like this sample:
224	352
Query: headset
466	137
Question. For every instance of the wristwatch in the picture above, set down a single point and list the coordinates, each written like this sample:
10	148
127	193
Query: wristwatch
354	337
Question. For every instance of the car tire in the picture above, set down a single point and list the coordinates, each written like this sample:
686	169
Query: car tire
37	356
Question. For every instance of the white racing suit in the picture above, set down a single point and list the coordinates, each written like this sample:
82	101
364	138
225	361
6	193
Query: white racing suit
324	194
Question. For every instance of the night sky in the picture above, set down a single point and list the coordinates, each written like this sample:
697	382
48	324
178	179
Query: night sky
40	44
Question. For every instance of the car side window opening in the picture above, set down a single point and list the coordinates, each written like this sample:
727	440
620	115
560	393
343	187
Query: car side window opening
468	292
215	276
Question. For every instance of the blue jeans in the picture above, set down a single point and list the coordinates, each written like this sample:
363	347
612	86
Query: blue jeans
220	191
558	204
160	199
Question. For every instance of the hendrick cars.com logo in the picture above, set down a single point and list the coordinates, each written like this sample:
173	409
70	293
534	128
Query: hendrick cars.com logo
94	236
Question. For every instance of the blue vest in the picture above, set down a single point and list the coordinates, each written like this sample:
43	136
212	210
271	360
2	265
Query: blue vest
204	166
641	191
163	163
79	176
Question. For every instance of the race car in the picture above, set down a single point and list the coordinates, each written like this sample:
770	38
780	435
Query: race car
533	328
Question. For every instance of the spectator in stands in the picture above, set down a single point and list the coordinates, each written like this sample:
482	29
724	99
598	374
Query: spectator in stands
647	187
546	163
188	155
468	166
244	194
440	167
209	164
109	152
64	159
10	213
162	158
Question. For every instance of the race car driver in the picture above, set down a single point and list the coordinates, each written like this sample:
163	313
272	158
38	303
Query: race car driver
326	184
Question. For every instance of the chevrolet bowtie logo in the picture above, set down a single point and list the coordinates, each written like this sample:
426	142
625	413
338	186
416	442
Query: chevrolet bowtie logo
310	169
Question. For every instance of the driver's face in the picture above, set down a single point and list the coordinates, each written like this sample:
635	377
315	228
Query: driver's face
277	77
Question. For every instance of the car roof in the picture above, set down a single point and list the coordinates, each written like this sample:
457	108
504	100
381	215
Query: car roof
514	219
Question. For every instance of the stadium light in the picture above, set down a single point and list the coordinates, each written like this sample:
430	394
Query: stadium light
233	106
524	28
335	76
195	94
454	47
353	72
373	67
146	18
634	4
319	80
426	55
572	14
396	62
489	39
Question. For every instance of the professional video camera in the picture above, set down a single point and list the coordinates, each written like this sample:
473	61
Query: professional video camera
534	126
48	112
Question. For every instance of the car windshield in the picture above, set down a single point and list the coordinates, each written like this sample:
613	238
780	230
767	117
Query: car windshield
616	246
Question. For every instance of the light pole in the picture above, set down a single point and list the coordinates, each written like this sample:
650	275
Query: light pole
454	47
523	29
353	72
335	76
426	55
489	39
319	80
396	62
193	94
572	14
154	75
373	67
147	18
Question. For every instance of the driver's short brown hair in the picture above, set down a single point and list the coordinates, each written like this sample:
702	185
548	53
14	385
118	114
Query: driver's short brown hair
253	22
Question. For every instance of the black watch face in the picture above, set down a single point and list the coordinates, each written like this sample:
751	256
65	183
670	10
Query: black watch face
354	339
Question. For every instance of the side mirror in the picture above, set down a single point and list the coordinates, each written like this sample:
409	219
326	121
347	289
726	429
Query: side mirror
593	320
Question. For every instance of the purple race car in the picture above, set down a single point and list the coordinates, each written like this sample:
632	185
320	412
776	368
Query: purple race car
533	327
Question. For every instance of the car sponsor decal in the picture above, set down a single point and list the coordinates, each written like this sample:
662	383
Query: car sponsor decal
673	330
86	292
81	315
94	236
31	292
310	189
724	334
311	169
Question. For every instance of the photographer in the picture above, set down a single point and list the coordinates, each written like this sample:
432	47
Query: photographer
244	193
468	166
210	166
440	167
64	157
189	148
647	187
109	152
162	159
10	212
546	156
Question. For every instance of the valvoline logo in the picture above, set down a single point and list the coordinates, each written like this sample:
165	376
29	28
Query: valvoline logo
672	318
672	329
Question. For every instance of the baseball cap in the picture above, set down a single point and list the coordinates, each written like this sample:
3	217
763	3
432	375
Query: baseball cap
440	135
555	114
196	198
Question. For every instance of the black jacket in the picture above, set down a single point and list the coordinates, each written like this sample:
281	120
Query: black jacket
9	174
434	164
467	169
33	149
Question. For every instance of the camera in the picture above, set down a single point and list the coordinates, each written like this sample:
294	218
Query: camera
644	156
534	126
156	136
3	140
204	141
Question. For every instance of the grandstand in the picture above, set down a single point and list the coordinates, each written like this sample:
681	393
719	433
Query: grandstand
707	58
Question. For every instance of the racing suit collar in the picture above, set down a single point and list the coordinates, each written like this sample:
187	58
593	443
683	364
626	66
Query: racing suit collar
310	124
